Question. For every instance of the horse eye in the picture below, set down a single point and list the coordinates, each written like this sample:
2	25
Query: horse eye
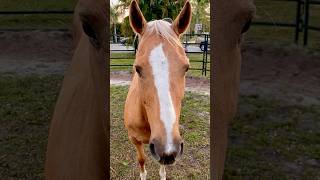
90	32
138	69
186	67
246	26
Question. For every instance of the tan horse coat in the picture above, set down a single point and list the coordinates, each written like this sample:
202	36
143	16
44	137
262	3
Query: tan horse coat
229	19
153	103
78	147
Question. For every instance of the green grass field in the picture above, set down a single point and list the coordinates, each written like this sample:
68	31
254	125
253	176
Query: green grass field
41	21
274	140
280	11
26	106
25	112
268	139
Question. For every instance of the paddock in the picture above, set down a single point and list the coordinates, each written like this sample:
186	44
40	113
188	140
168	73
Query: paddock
275	133
272	115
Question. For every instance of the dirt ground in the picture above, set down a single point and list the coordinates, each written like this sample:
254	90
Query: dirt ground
35	52
285	73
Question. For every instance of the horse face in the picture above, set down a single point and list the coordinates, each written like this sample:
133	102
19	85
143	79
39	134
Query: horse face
90	23
83	94
160	67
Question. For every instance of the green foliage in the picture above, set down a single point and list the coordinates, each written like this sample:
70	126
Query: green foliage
118	27
126	29
200	15
159	9
153	10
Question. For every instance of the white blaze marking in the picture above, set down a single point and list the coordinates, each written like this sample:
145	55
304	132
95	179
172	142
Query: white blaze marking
160	71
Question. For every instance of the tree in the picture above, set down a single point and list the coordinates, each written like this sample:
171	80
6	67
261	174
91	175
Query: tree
201	13
114	14
159	9
151	9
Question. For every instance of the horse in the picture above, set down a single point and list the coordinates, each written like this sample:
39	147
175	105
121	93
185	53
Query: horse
153	103
231	20
77	144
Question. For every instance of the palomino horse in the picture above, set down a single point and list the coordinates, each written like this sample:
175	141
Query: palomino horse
153	103
78	146
230	19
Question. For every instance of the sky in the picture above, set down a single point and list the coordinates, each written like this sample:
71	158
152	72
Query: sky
113	2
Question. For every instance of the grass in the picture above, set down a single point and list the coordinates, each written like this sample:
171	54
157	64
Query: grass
37	5
280	11
274	140
269	139
128	59
194	130
40	21
26	105
271	11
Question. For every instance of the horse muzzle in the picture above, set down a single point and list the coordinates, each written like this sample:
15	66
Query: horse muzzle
165	158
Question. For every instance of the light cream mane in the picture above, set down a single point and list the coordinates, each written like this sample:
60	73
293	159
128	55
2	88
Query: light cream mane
164	29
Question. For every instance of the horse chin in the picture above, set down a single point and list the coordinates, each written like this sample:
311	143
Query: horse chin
167	162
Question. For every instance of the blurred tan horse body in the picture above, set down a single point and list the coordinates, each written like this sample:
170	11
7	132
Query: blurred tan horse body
230	20
78	147
153	102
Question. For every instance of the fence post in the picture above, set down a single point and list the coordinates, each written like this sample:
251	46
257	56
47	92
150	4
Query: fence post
135	43
206	49
298	21
306	22
186	44
203	56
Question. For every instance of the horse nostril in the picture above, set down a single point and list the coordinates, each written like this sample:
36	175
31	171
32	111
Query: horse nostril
152	149
167	159
181	146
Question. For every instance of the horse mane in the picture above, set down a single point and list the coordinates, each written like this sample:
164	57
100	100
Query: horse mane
164	29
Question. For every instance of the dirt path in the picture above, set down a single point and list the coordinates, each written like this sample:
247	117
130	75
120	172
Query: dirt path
288	74
35	52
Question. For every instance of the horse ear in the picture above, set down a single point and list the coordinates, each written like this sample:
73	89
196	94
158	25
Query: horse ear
137	20
182	22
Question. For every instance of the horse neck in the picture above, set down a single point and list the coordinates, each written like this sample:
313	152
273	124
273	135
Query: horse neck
77	133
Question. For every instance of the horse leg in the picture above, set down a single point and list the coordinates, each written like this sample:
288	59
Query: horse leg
162	172
141	158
